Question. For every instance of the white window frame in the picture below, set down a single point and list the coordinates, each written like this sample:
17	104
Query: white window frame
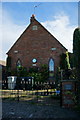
34	27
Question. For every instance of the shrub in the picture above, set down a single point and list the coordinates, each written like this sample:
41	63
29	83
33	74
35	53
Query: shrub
40	74
44	72
64	61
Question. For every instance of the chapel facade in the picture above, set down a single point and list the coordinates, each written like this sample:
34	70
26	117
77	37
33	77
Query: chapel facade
36	46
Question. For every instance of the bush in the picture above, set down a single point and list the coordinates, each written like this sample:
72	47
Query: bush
37	76
64	61
23	72
40	74
35	70
44	72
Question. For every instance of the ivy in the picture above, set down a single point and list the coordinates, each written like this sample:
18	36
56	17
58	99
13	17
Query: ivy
64	61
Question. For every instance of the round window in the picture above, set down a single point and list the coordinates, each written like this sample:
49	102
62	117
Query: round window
34	60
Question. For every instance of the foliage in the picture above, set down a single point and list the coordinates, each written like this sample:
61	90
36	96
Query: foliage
8	64
44	72
65	65
14	72
58	76
22	71
73	95
64	61
73	74
33	69
39	74
76	50
67	60
71	60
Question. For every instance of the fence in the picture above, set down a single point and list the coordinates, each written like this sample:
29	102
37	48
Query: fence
29	91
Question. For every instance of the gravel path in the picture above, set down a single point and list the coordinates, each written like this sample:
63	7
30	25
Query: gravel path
17	110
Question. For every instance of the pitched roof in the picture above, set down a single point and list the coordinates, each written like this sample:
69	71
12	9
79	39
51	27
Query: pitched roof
32	20
51	34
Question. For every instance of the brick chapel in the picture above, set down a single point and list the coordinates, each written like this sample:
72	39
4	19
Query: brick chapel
36	46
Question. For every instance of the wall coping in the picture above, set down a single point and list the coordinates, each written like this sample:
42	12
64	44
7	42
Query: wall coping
68	80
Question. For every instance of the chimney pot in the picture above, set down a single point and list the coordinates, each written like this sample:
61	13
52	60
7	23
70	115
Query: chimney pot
33	15
32	18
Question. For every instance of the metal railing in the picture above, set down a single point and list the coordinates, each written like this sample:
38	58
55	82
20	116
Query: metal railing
25	90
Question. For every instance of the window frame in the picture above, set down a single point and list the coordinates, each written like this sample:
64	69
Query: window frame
53	65
34	27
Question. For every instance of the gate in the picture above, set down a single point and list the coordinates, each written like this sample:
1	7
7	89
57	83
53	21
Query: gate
32	92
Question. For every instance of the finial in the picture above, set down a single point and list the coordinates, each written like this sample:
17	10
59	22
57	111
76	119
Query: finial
36	7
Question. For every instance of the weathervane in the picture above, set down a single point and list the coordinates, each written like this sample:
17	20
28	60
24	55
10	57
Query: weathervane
36	7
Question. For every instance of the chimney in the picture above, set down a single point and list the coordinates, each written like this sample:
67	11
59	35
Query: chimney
32	18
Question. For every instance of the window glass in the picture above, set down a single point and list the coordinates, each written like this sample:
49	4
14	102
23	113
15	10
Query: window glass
34	27
34	60
19	63
51	65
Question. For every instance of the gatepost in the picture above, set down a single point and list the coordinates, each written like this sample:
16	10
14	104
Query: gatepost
68	93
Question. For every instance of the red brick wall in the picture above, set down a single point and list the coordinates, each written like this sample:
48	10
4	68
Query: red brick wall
36	44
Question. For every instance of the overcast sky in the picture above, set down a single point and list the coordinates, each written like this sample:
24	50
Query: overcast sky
60	18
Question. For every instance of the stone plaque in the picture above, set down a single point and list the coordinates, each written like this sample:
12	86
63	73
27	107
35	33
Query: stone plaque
68	87
33	64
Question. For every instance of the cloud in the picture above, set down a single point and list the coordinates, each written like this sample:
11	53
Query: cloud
61	28
10	33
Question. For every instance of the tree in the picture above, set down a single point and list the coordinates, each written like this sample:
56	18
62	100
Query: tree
8	62
65	65
76	53
64	61
44	72
71	60
8	65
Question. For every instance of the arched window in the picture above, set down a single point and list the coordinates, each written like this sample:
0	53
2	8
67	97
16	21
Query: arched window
18	63
51	65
